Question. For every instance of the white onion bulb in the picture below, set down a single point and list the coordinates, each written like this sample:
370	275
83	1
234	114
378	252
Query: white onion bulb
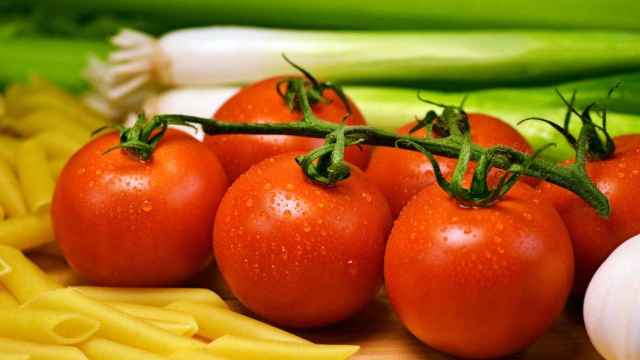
612	304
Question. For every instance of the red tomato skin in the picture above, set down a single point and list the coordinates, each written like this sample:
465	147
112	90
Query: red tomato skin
299	254
123	222
401	174
594	238
478	282
260	103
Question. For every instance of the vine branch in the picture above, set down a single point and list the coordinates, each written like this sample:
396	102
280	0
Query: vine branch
511	160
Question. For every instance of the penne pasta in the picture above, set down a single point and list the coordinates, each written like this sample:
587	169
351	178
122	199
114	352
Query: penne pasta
66	277
180	329
26	232
114	325
24	279
173	321
41	352
6	299
11	197
103	349
13	356
1	213
214	322
35	179
238	348
41	120
58	145
151	296
195	355
8	146
43	95
46	326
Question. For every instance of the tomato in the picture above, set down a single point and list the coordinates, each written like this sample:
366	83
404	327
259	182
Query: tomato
124	222
260	103
401	174
478	282
300	254
594	237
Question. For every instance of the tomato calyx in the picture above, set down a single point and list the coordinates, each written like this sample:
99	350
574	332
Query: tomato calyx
141	139
314	90
453	117
479	194
325	165
594	142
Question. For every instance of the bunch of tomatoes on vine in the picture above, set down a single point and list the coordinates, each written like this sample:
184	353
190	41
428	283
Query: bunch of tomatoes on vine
307	212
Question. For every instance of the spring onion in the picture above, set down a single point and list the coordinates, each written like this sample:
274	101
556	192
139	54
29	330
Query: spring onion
389	108
361	14
59	60
236	55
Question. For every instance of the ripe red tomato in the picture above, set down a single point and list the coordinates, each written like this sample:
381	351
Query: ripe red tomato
478	282
297	253
260	103
594	237
124	222
401	174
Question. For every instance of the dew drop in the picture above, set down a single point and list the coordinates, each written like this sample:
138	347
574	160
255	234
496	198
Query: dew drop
249	203
307	228
268	186
289	186
146	206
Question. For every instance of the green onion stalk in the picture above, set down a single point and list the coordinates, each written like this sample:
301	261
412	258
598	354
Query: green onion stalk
359	14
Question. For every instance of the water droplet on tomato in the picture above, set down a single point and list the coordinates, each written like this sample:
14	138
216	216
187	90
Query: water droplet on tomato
289	186
249	203
146	206
307	228
268	186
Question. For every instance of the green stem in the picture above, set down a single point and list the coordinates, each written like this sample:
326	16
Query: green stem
566	177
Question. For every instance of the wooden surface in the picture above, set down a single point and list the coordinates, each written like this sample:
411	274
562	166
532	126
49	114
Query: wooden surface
380	334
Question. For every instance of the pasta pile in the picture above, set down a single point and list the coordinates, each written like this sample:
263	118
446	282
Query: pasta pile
41	318
41	126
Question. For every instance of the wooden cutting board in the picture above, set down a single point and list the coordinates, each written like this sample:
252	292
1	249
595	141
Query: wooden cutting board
378	331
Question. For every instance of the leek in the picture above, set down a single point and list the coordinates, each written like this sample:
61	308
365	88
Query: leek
390	108
460	60
59	60
361	14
